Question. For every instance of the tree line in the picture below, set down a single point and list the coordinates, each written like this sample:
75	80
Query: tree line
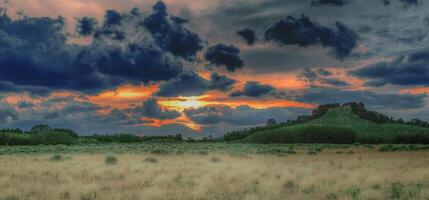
45	135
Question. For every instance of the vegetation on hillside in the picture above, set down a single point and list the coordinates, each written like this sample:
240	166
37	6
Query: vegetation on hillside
346	121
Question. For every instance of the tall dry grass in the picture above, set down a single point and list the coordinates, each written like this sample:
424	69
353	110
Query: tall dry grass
362	175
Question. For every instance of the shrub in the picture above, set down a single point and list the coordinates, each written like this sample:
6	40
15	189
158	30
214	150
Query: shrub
289	186
310	190
89	196
350	152
215	159
159	151
151	160
56	157
353	192
401	191
331	196
110	159
11	197
203	153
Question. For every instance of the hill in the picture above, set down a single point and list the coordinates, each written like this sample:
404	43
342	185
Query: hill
336	122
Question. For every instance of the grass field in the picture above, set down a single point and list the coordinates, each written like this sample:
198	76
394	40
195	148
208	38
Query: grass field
213	171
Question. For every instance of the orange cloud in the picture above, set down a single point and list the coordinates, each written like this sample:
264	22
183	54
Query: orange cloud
183	120
123	96
418	90
219	98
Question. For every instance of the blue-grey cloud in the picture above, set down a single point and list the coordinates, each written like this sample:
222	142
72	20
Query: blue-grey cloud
248	35
221	82
8	115
405	2
187	84
320	76
151	109
328	2
324	72
409	69
191	84
324	95
254	89
241	115
86	26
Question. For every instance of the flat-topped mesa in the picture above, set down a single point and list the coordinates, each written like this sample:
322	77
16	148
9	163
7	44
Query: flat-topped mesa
358	108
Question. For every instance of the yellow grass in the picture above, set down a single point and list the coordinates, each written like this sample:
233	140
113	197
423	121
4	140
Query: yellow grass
363	175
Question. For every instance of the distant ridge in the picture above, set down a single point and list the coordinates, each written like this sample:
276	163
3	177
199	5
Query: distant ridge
366	126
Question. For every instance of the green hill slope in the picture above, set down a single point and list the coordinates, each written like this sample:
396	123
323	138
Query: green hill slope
340	120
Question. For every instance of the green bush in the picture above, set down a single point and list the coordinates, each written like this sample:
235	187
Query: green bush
110	159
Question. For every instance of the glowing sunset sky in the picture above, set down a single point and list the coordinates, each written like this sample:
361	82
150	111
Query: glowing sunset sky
207	67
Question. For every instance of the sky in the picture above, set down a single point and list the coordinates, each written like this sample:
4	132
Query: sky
202	68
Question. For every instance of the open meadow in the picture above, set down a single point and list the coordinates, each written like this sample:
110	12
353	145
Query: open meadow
214	171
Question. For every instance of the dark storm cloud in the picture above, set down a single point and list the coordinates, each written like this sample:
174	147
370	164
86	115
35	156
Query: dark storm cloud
34	51
254	89
248	35
224	55
241	115
170	34
303	32
324	95
151	109
328	2
408	69
191	84
86	26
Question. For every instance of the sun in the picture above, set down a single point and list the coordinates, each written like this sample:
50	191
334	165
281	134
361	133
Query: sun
182	103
